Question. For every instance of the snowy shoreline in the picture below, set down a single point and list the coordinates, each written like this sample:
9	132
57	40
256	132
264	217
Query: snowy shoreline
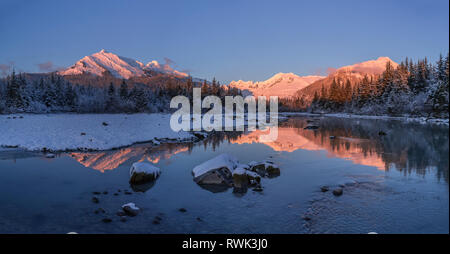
70	132
422	120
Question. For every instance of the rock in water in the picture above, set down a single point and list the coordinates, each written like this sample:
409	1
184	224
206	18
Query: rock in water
242	178
131	209
142	172
216	171
107	220
324	188
338	192
266	168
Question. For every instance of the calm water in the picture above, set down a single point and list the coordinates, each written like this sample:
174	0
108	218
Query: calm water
396	183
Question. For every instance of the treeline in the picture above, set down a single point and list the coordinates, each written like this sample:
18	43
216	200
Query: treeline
54	93
418	89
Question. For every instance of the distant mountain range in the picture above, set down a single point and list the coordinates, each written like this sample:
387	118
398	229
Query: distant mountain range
354	73
283	85
288	84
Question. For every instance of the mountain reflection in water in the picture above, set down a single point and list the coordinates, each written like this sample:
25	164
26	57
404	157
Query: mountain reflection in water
407	147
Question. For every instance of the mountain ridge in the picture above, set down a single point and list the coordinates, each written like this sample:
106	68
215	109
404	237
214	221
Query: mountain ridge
353	73
118	66
280	84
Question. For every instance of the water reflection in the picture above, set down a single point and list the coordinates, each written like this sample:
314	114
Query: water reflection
407	147
110	160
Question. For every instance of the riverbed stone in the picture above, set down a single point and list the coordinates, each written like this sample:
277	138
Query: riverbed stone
106	220
143	172
338	192
131	209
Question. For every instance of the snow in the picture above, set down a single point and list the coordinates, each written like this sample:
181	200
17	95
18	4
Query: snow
239	171
131	205
97	63
281	85
144	167
58	132
118	66
221	161
243	171
373	67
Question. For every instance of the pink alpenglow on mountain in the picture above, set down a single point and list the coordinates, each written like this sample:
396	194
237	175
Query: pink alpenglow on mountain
371	67
118	66
281	85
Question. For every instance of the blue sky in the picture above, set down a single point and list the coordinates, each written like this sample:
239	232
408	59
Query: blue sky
229	40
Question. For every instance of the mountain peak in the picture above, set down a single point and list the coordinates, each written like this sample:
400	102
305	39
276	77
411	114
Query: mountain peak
118	66
281	84
371	67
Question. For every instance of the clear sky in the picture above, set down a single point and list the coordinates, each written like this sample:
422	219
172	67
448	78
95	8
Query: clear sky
231	40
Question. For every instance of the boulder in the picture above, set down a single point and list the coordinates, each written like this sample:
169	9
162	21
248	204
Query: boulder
266	168
143	172
242	178
131	209
216	171
338	192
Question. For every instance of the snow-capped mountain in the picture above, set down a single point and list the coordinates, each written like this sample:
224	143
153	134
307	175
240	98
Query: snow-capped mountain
354	73
281	85
371	67
118	66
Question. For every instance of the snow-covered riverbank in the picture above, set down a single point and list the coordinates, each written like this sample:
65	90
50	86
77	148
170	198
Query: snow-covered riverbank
84	131
422	120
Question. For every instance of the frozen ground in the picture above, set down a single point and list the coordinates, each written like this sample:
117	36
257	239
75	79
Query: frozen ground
84	131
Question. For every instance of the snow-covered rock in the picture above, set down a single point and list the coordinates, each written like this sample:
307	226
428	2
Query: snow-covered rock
218	170
225	170
241	174
142	172
131	209
266	168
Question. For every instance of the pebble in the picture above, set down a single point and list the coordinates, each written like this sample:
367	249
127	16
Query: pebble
106	220
95	200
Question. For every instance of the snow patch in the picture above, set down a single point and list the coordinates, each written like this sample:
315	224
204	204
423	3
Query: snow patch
59	132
